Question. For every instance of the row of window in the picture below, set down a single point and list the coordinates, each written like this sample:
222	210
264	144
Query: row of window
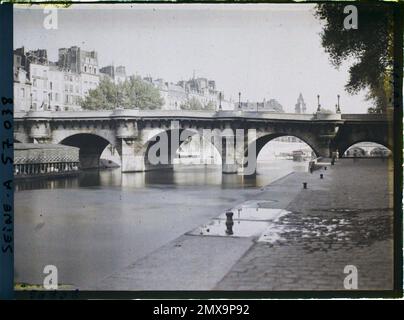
90	83
43	84
69	88
45	95
71	78
90	69
36	83
90	60
36	72
67	77
47	107
52	96
70	99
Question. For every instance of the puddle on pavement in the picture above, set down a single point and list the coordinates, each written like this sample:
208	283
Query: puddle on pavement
217	227
260	214
258	219
250	219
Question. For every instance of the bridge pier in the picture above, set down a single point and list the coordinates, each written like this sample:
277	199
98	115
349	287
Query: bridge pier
229	153
132	159
324	151
239	154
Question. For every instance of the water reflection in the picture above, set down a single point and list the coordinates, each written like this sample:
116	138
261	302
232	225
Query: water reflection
182	175
255	213
245	228
250	218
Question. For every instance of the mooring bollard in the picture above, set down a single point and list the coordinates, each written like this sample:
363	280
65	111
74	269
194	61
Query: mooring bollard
304	185
229	222
321	176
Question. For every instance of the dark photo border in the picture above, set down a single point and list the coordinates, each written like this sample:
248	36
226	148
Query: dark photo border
6	177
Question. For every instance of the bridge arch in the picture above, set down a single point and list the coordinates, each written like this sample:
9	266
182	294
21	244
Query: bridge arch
91	147
262	140
360	149
379	152
155	146
352	134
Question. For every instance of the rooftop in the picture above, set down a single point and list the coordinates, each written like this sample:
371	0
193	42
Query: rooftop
28	146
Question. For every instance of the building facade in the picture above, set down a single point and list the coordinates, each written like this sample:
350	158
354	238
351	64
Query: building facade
41	84
76	60
85	63
57	86
200	92
22	90
116	74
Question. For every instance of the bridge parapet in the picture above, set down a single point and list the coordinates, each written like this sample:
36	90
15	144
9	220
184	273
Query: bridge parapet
170	114
327	116
366	117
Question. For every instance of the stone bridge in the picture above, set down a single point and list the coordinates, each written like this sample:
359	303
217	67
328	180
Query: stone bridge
134	133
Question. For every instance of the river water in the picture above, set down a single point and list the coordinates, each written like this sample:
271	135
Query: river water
99	222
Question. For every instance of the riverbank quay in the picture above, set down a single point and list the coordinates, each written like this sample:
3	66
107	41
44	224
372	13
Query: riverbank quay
340	221
344	218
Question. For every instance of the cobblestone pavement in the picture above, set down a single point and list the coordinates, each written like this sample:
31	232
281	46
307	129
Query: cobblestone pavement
346	218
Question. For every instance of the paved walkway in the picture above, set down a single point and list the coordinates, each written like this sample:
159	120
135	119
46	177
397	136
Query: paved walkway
343	219
188	263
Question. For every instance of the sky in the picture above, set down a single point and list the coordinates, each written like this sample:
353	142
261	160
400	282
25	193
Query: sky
266	51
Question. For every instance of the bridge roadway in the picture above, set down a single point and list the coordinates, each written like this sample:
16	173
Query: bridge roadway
135	132
181	114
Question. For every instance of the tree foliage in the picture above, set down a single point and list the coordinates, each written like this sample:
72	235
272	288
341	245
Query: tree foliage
210	106
275	105
134	93
194	104
369	48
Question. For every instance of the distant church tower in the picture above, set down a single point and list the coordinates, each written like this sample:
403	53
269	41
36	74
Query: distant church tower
300	106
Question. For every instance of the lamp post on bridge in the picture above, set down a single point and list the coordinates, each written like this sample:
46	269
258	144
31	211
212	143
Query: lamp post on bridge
318	103
220	100
116	99
338	107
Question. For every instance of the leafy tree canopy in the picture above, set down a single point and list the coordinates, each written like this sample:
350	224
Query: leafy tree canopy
194	104
133	93
370	47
